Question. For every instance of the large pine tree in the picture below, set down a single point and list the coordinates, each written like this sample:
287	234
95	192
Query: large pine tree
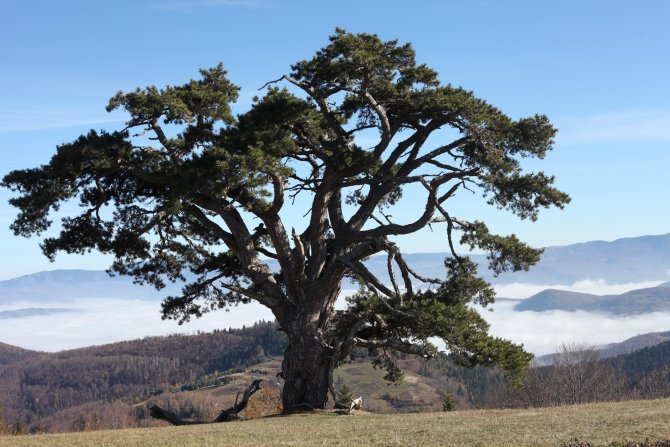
188	187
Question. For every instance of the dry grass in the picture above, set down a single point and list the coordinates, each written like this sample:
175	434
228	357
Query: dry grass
599	423
364	380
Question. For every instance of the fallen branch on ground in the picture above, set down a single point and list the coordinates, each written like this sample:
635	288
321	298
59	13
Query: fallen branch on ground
229	414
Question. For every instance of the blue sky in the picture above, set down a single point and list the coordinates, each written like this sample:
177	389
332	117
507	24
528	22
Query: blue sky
598	69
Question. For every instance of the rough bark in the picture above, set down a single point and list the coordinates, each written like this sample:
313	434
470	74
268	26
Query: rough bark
229	414
306	369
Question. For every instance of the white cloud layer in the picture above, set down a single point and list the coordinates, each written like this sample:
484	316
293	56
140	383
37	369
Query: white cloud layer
543	332
624	126
100	321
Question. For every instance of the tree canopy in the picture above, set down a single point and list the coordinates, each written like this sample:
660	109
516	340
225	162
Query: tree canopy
189	190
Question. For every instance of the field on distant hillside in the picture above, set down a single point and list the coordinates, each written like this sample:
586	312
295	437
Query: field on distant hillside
600	424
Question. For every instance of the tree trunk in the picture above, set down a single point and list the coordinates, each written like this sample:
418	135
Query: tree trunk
305	369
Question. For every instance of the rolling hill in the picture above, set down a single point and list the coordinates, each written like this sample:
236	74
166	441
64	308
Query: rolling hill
646	360
627	346
11	354
36	385
553	299
634	344
652	299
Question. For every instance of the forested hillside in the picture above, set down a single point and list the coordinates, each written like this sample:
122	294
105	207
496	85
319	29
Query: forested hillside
635	343
10	354
36	385
647	359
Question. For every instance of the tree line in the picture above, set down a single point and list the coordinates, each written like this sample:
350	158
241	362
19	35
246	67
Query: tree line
578	375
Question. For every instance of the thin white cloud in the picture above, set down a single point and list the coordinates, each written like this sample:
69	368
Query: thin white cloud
624	126
28	119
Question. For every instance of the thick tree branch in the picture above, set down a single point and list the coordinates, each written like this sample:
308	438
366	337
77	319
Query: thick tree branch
282	246
323	107
450	230
318	225
160	134
299	256
380	189
393	343
335	212
398	229
147	177
268	301
359	269
225	236
383	122
244	247
394	254
389	267
386	182
412	165
278	199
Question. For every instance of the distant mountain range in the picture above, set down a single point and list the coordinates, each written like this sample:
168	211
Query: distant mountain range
67	285
622	261
628	260
652	299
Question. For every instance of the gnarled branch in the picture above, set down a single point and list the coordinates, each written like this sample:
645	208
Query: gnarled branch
229	414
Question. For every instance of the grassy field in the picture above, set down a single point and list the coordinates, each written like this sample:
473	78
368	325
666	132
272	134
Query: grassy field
363	379
600	424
